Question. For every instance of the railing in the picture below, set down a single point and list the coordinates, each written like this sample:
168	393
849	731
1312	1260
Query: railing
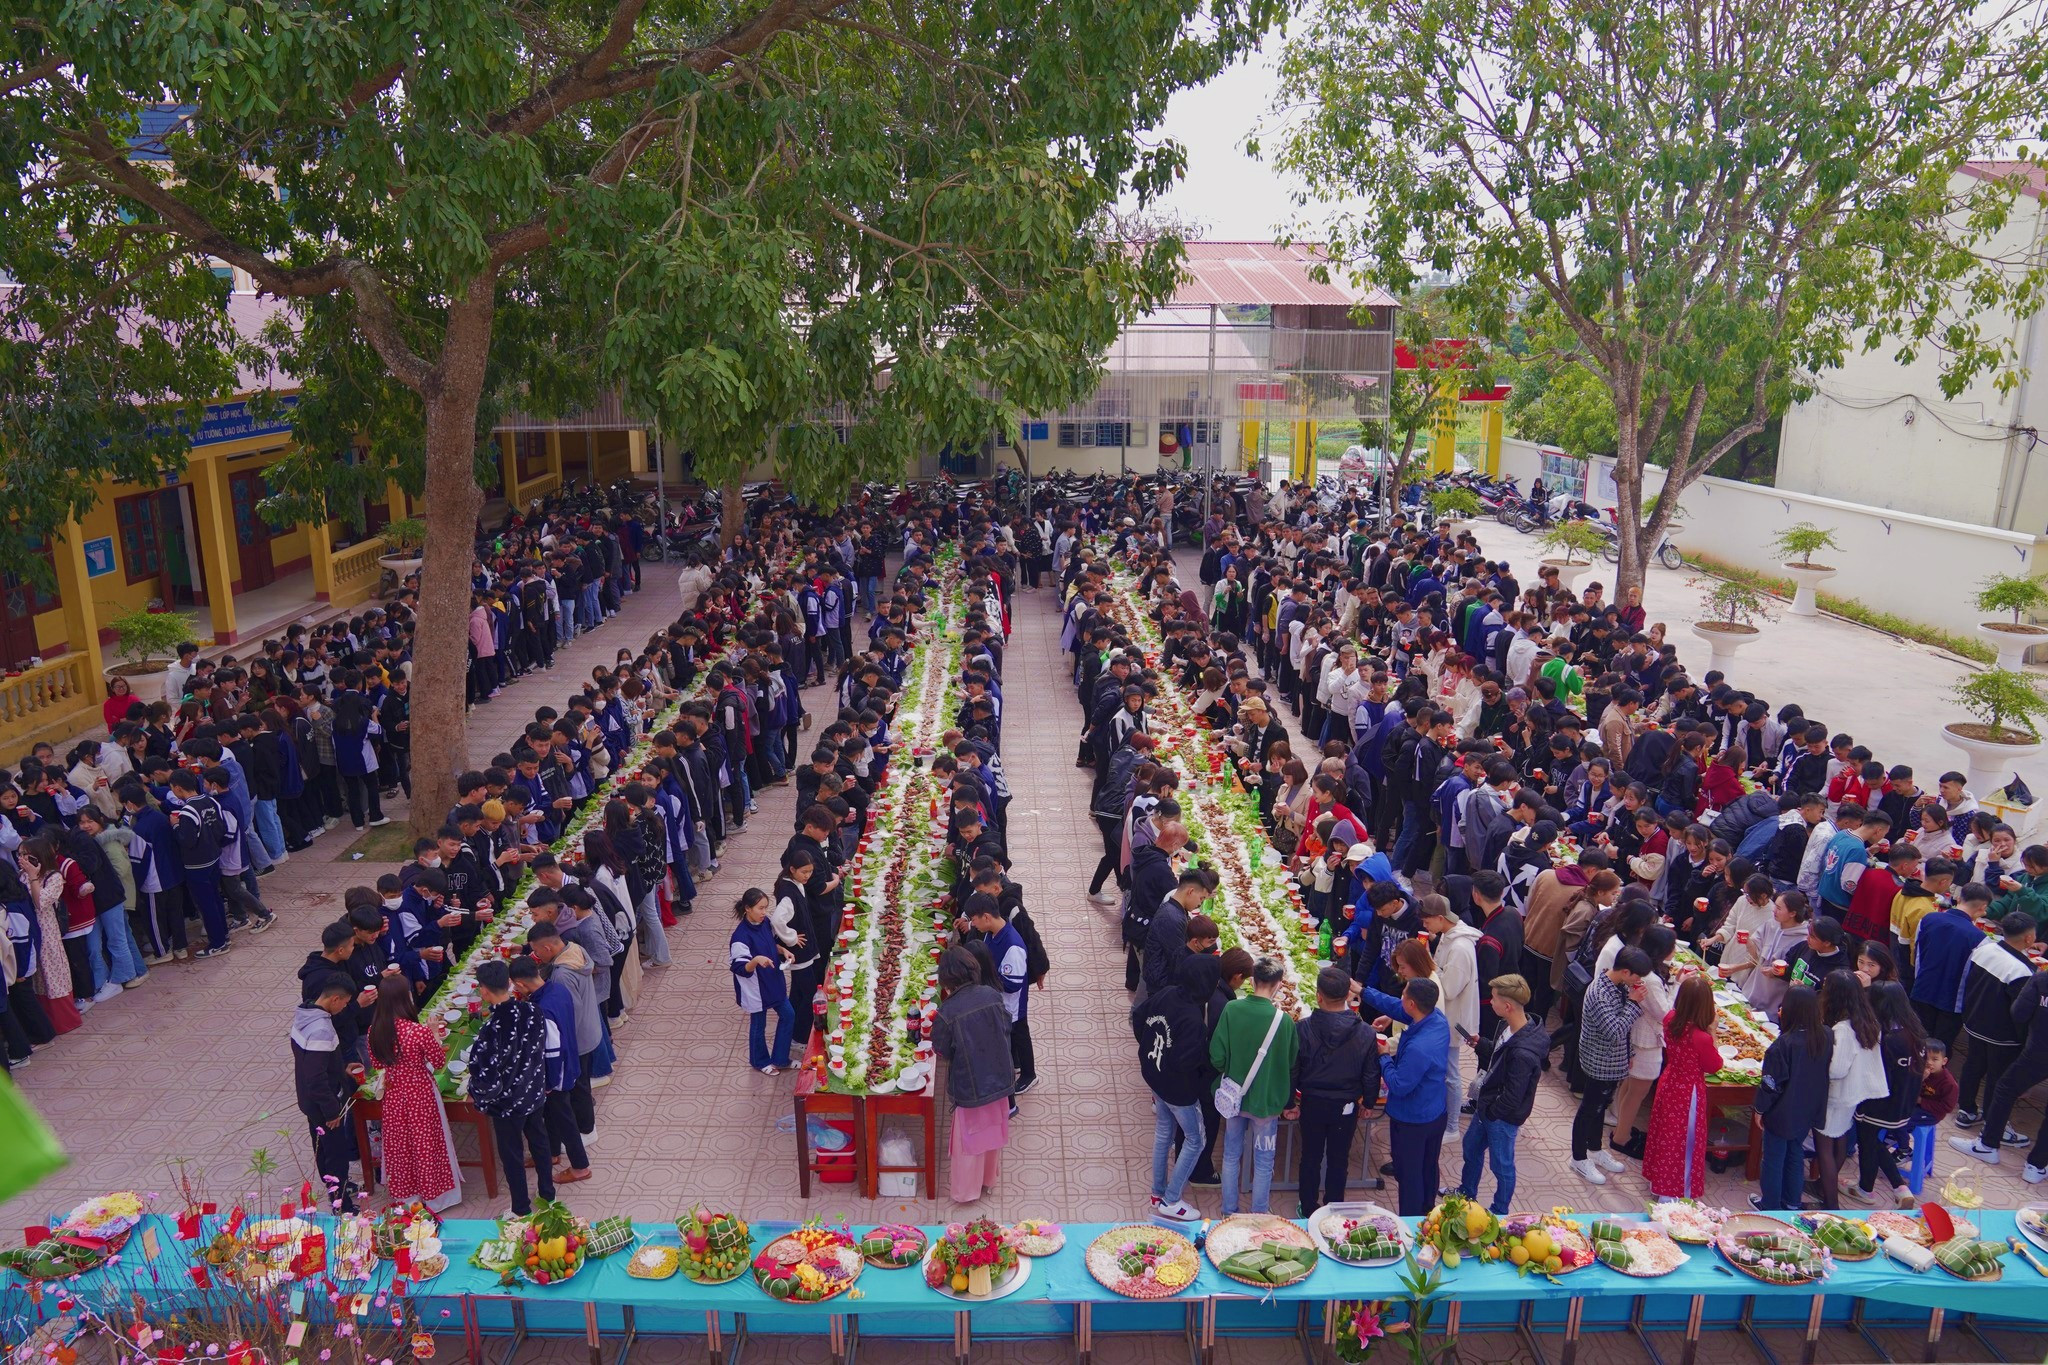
356	573
51	701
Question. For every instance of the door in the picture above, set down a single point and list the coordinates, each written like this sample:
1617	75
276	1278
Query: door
252	533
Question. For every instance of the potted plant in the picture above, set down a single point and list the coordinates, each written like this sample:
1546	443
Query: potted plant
2008	706
1453	505
1796	545
144	639
1733	610
1577	542
405	538
2019	594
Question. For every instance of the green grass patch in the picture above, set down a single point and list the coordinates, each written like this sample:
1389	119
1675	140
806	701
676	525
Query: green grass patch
1849	609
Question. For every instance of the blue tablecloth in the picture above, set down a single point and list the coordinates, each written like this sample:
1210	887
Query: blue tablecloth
1056	1285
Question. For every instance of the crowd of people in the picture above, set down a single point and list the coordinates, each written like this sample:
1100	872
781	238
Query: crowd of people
1521	821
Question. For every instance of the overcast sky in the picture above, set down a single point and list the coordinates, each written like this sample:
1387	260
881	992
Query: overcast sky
1234	196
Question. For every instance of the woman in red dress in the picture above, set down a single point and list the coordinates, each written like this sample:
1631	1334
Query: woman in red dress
1675	1159
419	1155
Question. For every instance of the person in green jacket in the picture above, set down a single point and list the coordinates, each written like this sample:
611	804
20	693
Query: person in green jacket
2028	891
1268	1082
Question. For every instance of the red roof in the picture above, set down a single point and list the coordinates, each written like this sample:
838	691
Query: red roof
1249	273
2034	174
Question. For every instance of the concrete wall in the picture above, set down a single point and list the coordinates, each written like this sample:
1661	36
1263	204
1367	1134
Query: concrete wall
1925	569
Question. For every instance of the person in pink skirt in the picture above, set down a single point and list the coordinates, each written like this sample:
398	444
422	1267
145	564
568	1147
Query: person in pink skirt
972	1032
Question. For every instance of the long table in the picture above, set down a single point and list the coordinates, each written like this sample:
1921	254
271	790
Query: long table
610	1310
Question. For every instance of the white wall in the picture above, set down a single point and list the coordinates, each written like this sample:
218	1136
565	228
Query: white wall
1922	568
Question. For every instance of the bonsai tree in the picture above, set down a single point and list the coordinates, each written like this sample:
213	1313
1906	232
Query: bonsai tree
405	536
1577	541
2008	704
1454	502
140	636
1732	602
1798	543
2016	593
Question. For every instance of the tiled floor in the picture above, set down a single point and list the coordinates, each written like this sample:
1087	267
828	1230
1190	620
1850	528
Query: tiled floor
193	1067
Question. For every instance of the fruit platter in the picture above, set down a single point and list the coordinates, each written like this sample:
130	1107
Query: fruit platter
1359	1234
975	1262
715	1246
1456	1228
1542	1243
555	1239
1643	1250
1036	1237
1771	1250
1846	1238
1139	1261
810	1265
1261	1249
1688	1220
893	1246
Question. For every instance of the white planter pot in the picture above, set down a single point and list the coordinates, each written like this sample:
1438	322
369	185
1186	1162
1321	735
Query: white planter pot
1992	764
1724	643
1568	575
2012	645
1804	602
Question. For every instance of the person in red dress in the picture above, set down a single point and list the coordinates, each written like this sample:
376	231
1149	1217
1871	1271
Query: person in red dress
419	1156
1675	1159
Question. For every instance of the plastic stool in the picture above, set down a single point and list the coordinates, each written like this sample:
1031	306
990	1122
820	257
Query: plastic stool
1923	1158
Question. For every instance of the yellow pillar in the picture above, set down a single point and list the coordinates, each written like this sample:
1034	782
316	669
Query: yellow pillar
214	520
320	547
81	617
1490	424
636	451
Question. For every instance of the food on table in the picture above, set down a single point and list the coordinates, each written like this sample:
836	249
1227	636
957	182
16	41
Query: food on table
1143	1262
1969	1259
1688	1220
556	1242
973	1260
1849	1239
1261	1249
810	1265
1036	1236
715	1245
653	1263
893	1246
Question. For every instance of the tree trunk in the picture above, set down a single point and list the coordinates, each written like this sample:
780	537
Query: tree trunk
732	514
440	747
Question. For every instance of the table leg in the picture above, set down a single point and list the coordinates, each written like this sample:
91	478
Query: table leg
487	1148
363	1149
1810	1351
1084	1333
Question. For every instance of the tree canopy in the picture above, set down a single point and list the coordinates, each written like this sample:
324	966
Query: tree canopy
1710	198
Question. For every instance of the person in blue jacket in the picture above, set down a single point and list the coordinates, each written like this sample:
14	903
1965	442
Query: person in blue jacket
1416	1099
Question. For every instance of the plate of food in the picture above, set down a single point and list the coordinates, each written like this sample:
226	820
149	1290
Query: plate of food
811	1265
1688	1220
1643	1250
1261	1249
1771	1250
1544	1243
1966	1258
893	1246
1139	1261
974	1263
1361	1234
1036	1237
1846	1238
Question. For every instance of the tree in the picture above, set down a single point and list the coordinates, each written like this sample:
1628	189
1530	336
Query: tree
834	232
1711	198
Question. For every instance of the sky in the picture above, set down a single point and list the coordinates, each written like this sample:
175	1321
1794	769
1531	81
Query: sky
1234	197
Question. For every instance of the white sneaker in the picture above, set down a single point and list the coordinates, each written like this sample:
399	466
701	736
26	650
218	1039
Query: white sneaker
110	991
1588	1172
1969	1146
2033	1174
1608	1161
1180	1211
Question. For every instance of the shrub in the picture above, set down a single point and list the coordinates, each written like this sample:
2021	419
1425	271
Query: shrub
1798	543
1735	603
140	636
1575	540
405	535
2009	703
2017	593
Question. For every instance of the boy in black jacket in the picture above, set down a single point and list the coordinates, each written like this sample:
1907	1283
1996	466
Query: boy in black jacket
1513	1061
1336	1076
320	1073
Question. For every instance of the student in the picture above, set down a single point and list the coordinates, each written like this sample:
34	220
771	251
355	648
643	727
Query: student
508	1080
758	985
1607	1018
1791	1100
1417	1100
1337	1075
320	1070
1514	1062
1254	1045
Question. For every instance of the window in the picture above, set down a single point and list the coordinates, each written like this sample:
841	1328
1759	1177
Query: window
141	546
530	450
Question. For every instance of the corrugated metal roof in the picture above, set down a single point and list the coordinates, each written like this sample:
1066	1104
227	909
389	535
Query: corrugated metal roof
1251	273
